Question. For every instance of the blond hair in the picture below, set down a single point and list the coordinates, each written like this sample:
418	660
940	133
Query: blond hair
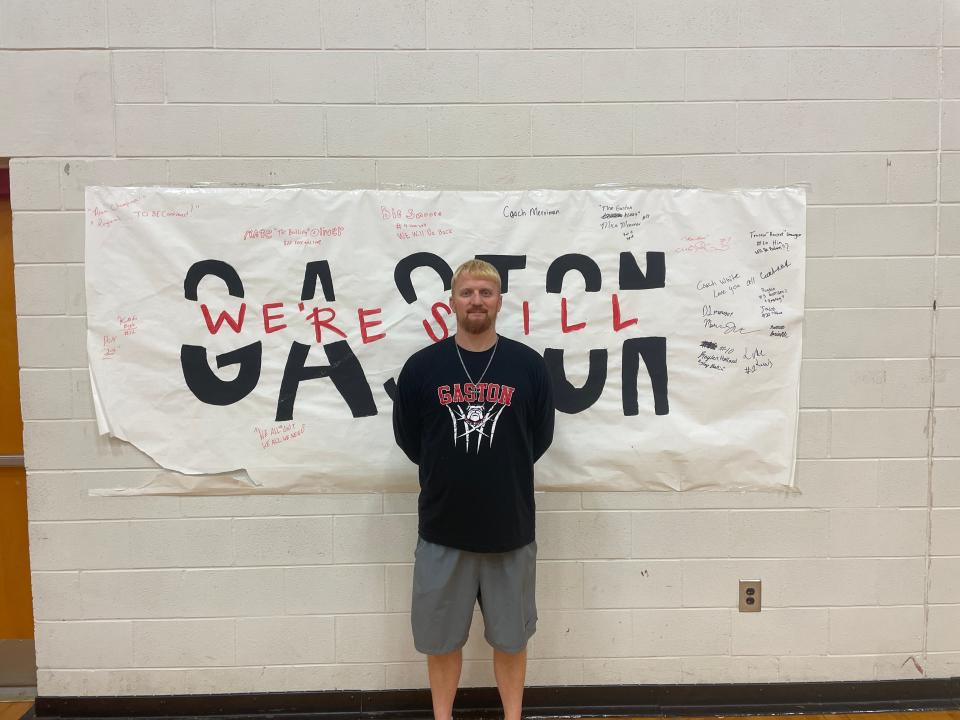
480	269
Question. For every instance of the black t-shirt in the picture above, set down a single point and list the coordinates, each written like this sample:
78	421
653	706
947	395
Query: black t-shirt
475	444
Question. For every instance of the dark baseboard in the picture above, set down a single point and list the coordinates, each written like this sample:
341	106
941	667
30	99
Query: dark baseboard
572	700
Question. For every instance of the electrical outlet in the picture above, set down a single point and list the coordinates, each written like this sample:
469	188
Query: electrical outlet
749	596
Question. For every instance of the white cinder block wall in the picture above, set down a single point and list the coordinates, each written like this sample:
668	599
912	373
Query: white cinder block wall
858	98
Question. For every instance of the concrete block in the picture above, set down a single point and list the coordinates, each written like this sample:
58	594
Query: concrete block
943	628
902	483
813	435
886	230
64	496
823	668
178	23
780	22
571	24
890	23
333	174
631	500
867	532
49	342
180	593
951	23
821	231
912	178
180	543
49	24
862	73
252	24
631	584
86	645
162	130
323	77
427	77
228	171
576	535
728	669
560	500
866	282
680	534
375	638
948	282
426	174
679	128
945	531
736	74
841	383
560	585
946	436
271	130
629	671
836	483
63	103
633	75
906	383
530	77
301	678
948	332
950	125
331	590
780	631
944	580
76	291
280	505
496	24
374	24
55	596
839	179
76	445
837	126
518	174
399	587
138	77
864	333
822	582
374	538
82	545
47	237
583	633
283	541
285	640
217	76
582	129
947	374
45	394
687	23
479	130
34	184
738	171
879	433
687	631
778	533
375	131
177	643
853	631
946	482
951	73
77	174
41	289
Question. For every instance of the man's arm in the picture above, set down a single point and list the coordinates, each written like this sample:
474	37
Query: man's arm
406	416
544	414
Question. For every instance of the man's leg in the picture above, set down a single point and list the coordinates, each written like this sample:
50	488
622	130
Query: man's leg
444	673
510	670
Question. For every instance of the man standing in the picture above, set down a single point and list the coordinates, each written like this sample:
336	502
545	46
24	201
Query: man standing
475	412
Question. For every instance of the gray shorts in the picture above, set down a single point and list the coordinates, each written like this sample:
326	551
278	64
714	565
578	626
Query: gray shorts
446	584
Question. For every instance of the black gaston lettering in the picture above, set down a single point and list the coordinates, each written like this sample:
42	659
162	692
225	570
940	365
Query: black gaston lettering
633	278
404	269
504	264
583	264
568	398
211	389
344	371
653	350
313	270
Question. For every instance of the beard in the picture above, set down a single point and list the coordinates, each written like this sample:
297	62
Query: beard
476	324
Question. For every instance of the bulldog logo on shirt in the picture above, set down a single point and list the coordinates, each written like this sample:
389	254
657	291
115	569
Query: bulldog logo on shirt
474	410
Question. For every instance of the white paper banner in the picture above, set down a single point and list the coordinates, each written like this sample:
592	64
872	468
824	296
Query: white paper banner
257	332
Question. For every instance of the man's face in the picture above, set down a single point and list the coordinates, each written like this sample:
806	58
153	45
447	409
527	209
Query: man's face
476	302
